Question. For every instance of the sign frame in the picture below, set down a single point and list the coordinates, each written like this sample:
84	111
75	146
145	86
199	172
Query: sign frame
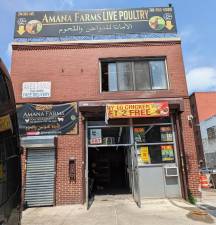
36	89
49	119
137	110
37	24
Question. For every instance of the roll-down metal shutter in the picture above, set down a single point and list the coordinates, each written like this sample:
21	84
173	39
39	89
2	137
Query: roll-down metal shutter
40	177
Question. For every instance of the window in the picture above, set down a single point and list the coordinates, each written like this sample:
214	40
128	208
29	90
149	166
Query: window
155	144
136	75
158	75
142	76
109	135
153	134
211	132
112	77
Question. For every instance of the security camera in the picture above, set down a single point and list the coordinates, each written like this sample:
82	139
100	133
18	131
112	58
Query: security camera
190	117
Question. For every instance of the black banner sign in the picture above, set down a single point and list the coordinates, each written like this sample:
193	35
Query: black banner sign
94	22
36	119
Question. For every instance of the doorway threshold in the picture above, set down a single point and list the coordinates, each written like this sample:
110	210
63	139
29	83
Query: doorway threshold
110	197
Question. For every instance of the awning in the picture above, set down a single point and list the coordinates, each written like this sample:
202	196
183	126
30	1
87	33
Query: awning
96	108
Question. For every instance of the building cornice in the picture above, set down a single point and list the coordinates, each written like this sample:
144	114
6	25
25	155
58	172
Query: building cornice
95	43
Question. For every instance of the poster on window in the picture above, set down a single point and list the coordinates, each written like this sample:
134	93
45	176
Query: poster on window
139	134
144	153
166	134
167	153
95	136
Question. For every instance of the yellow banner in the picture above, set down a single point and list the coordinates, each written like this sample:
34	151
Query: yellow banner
151	109
5	123
144	152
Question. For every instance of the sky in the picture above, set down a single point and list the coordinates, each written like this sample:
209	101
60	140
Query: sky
196	24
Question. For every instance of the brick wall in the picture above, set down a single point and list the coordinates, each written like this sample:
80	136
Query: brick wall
190	150
197	131
70	146
75	73
206	105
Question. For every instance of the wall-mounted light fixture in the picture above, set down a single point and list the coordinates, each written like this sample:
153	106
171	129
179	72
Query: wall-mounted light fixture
190	118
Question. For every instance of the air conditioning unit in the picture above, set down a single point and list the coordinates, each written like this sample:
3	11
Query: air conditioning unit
171	171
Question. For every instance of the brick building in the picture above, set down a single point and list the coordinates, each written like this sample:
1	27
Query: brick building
148	155
203	106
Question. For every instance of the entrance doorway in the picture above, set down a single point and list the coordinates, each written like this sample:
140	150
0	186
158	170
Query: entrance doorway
109	171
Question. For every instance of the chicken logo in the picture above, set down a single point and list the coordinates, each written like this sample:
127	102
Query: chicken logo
34	27
157	23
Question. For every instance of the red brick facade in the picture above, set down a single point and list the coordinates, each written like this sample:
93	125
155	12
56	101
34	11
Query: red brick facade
203	104
78	65
190	150
74	71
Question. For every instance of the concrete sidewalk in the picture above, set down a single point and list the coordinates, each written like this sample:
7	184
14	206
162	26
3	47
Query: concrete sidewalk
119	212
208	201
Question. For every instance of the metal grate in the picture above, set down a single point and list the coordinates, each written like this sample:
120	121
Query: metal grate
172	171
40	177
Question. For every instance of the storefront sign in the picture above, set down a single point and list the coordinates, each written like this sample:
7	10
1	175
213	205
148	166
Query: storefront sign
95	136
94	22
167	153
152	109
35	119
5	123
36	89
144	152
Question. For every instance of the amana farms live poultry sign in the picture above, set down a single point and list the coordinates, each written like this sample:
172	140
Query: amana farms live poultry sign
94	22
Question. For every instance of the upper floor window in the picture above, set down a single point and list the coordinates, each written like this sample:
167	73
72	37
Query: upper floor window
211	132
137	75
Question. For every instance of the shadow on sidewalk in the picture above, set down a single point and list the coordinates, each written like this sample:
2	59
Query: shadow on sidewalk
197	214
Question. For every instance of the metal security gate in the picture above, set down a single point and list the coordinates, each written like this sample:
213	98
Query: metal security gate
40	177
